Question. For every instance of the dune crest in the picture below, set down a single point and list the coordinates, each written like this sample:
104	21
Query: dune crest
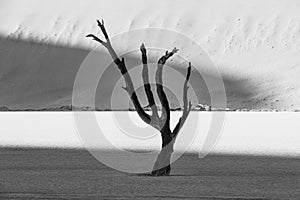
255	45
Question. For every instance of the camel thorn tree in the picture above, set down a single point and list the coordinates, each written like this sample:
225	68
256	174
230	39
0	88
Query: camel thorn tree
161	122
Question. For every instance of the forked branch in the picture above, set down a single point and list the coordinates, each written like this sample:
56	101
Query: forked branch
122	67
154	120
147	85
159	87
187	105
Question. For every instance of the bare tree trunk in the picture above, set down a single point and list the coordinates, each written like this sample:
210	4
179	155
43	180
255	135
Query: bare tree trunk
162	166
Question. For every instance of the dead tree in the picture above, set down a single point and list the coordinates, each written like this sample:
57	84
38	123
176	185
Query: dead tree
161	122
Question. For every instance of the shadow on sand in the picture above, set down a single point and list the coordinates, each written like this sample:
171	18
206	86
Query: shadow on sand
38	75
70	173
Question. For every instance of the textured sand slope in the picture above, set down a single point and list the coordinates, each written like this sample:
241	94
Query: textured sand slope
255	45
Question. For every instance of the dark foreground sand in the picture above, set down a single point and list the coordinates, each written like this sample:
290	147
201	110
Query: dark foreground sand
75	174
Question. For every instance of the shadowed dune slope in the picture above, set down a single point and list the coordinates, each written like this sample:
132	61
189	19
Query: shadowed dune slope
254	44
36	75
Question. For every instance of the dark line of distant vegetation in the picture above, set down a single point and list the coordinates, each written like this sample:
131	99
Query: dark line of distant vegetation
85	108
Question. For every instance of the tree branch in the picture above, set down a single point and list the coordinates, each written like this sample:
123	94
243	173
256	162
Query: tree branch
122	67
159	87
147	86
187	106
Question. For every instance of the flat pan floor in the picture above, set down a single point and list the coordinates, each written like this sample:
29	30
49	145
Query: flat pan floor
75	174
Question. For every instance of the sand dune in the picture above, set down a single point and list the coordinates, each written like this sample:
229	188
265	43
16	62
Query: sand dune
255	45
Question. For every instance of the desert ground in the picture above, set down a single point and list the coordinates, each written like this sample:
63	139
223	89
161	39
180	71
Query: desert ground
75	174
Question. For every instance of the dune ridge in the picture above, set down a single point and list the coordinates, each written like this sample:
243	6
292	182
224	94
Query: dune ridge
255	45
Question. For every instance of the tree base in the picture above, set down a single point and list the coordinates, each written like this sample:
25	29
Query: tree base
166	171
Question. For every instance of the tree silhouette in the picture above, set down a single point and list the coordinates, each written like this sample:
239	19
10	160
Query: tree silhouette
161	122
